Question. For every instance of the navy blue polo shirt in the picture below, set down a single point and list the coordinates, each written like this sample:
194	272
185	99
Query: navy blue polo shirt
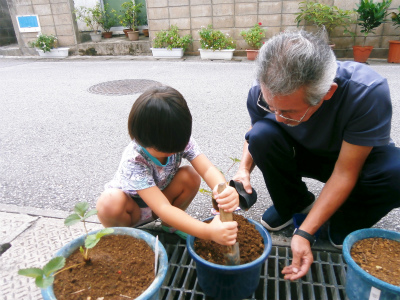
359	112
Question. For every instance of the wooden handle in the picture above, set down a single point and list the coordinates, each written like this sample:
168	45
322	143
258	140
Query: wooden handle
225	216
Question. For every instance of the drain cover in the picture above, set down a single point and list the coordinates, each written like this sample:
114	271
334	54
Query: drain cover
123	87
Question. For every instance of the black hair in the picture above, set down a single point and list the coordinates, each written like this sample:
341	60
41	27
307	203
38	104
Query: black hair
160	118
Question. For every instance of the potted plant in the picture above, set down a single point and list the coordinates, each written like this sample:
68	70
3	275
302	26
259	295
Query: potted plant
370	16
169	44
215	44
324	16
46	46
253	37
107	20
129	19
79	257
394	45
91	16
361	284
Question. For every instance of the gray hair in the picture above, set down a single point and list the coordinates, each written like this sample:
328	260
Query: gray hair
291	60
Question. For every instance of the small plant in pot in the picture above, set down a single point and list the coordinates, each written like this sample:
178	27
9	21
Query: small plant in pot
107	20
46	46
253	37
394	45
129	18
215	44
326	17
91	16
114	257
370	16
168	43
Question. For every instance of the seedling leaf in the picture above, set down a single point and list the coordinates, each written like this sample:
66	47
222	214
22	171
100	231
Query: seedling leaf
81	207
81	250
31	272
204	191
54	265
90	213
44	282
72	219
93	239
235	160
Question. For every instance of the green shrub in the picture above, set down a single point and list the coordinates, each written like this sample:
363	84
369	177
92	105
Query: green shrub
171	39
215	40
253	37
44	42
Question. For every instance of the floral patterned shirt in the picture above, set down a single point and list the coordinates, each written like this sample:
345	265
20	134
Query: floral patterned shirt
137	171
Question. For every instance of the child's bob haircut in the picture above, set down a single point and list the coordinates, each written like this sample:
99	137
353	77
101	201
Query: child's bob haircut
160	119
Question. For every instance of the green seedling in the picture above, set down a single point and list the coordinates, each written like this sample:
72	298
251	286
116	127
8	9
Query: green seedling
45	277
234	161
80	215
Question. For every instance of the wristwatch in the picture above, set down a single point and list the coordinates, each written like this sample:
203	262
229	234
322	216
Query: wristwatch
305	235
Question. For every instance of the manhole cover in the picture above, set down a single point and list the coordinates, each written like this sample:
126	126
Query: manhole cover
123	87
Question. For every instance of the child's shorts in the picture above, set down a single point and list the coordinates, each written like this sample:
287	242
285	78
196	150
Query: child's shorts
146	214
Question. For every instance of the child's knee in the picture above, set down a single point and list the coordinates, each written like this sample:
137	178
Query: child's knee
192	177
111	203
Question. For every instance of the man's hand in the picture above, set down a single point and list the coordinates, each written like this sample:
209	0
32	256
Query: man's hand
302	259
243	176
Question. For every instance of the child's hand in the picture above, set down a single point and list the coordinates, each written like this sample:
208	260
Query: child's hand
228	200
223	233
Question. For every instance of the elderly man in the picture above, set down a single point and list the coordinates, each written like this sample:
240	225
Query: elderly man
315	117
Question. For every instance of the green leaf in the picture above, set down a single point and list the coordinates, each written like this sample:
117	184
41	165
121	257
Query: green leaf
92	240
81	250
31	272
81	208
72	219
90	213
54	265
44	282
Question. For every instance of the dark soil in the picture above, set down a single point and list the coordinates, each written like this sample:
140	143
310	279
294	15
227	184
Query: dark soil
251	244
379	257
119	265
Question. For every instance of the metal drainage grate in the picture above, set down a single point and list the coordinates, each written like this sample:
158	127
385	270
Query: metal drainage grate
123	87
325	281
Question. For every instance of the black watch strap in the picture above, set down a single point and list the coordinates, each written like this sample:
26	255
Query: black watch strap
305	235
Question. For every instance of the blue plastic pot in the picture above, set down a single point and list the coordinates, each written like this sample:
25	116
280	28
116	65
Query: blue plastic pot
361	285
153	290
230	282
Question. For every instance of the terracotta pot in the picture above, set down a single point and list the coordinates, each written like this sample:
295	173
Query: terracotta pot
133	35
146	32
251	54
394	52
107	35
361	53
126	31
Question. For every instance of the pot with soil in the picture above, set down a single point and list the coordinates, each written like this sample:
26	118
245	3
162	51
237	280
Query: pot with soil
373	264
231	282
129	273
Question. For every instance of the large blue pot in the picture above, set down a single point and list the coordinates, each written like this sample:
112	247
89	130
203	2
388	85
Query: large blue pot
361	285
230	282
152	291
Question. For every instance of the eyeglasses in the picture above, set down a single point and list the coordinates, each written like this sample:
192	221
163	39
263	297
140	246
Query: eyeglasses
264	105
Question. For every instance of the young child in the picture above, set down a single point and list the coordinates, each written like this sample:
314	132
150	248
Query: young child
150	183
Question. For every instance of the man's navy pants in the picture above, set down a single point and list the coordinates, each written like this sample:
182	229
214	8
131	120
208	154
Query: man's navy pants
283	163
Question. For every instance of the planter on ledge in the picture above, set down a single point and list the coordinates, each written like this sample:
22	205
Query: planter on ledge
166	53
225	54
54	53
230	282
251	54
361	285
152	292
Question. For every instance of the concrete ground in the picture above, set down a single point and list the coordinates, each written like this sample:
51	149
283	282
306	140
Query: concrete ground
60	142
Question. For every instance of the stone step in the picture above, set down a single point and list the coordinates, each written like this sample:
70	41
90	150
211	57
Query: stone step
10	50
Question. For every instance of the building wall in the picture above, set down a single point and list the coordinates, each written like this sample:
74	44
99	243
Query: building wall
233	16
7	34
55	17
